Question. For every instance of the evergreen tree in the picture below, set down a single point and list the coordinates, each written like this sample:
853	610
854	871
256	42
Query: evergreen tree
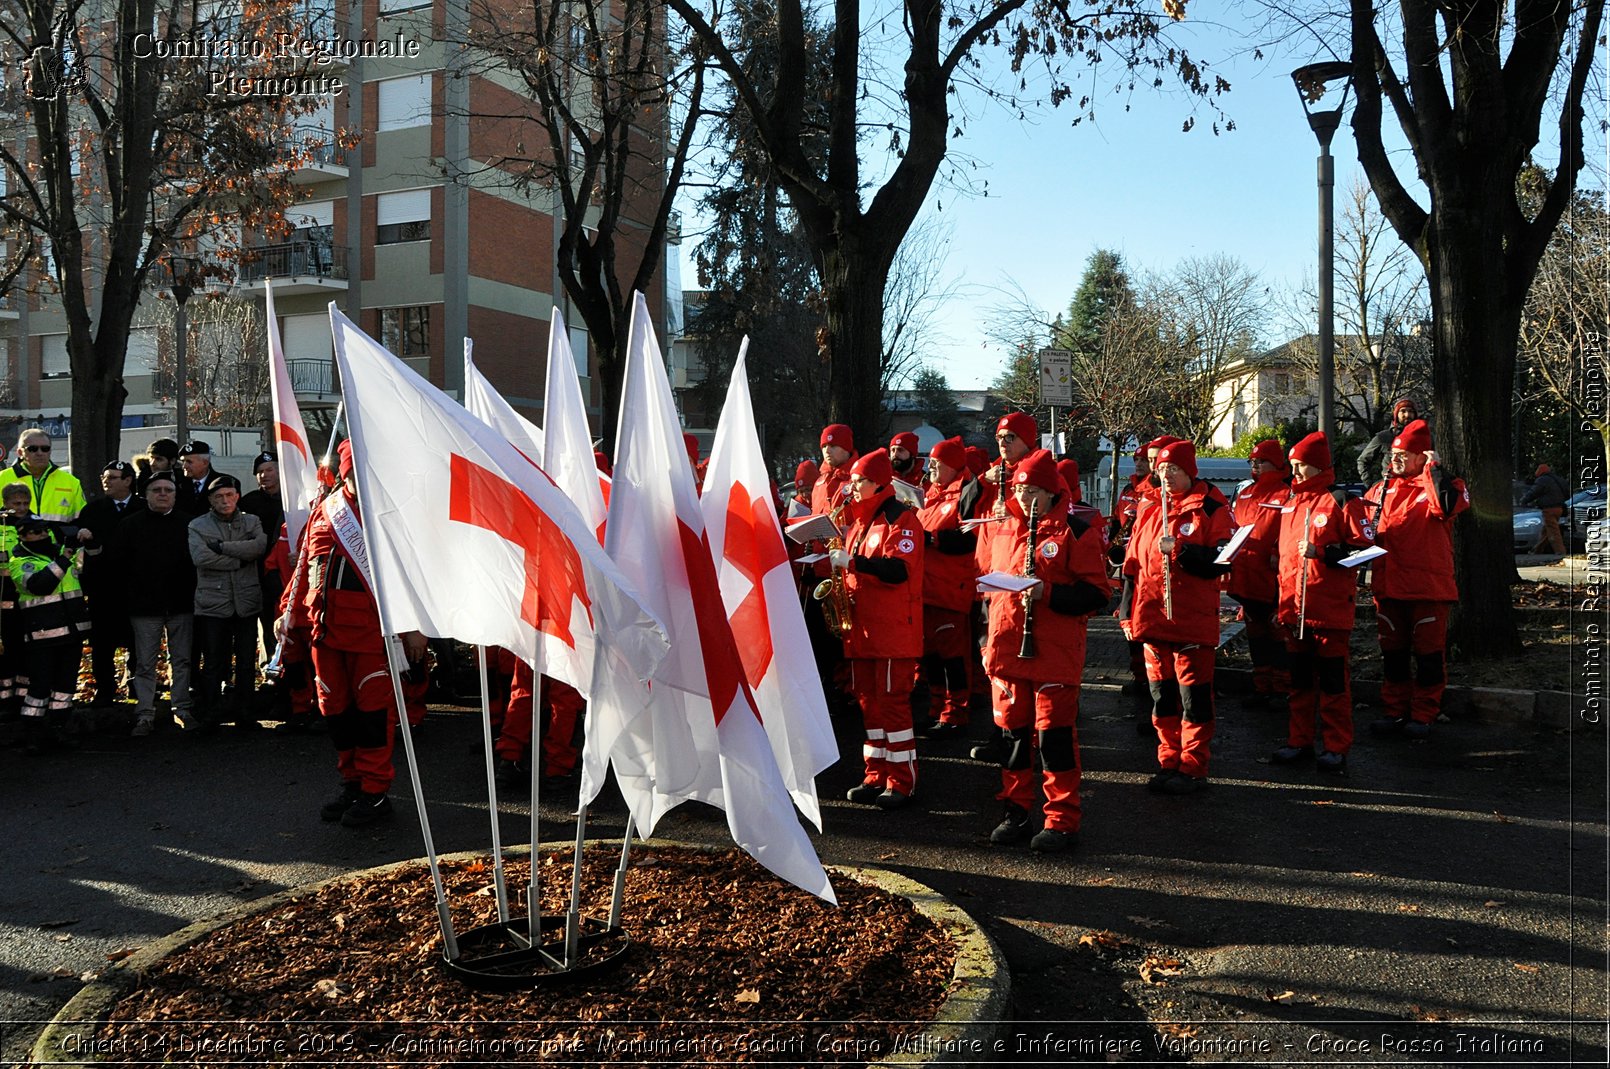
1104	288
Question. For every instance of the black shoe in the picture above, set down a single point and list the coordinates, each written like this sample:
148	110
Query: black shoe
891	799
511	775
1389	725
1416	729
863	794
1155	784
1183	784
332	810
1334	763
1290	755
1013	828
367	809
1051	841
943	731
993	751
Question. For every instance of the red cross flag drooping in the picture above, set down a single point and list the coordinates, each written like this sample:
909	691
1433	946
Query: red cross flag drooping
699	736
299	477
757	587
467	538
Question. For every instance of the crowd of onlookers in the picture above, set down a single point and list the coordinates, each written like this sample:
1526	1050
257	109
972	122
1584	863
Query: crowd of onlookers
172	557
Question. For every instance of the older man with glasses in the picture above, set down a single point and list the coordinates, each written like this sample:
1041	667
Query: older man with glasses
55	494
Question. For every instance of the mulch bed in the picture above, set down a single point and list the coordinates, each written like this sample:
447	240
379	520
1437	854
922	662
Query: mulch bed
729	964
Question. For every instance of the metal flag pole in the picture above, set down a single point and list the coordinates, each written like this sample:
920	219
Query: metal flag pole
492	790
533	897
619	893
449	940
329	448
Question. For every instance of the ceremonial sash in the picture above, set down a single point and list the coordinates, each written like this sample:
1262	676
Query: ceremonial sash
349	532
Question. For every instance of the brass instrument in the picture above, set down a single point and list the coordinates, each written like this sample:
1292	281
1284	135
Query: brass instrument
838	607
1168	564
1302	580
1027	650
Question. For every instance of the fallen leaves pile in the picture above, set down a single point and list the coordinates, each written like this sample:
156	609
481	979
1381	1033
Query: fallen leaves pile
724	954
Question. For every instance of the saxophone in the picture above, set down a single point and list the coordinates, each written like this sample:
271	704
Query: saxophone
838	607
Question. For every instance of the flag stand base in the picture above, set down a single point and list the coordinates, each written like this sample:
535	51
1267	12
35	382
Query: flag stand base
501	957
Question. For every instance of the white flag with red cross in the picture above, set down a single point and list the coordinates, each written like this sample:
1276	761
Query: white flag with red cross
566	436
467	538
298	468
482	400
762	601
700	736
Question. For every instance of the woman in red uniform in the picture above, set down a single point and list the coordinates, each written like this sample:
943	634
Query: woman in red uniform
1319	526
1254	574
1172	596
1037	696
882	560
949	586
1414	583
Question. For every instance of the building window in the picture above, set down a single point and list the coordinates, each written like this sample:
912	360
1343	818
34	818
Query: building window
404	102
406	331
402	217
54	361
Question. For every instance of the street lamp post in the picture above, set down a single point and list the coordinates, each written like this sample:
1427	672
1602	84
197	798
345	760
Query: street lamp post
181	283
1317	84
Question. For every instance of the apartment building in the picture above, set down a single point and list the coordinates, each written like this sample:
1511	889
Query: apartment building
412	232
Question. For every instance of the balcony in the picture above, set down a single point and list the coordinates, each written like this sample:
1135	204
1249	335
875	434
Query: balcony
313	380
8	309
295	267
324	159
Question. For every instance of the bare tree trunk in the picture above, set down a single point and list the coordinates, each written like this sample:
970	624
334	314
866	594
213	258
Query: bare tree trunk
853	280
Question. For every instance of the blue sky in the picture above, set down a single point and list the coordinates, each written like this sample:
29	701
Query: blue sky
1133	182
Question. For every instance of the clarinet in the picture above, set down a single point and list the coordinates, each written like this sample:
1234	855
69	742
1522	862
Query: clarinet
1168	564
1027	651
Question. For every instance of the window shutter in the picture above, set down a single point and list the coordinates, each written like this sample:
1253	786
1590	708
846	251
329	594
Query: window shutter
404	102
409	206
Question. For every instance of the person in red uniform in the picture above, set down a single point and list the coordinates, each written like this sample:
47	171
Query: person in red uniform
829	492
882	560
1037	697
1414	583
332	611
1142	484
949	586
977	681
1319	526
1172	595
1254	573
561	706
798	505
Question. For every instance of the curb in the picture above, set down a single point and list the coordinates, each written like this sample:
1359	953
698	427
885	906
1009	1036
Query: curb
962	1031
1487	705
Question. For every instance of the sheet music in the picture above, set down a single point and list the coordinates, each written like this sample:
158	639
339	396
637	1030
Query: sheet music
1233	546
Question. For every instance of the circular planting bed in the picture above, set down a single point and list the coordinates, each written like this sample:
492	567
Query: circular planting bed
727	964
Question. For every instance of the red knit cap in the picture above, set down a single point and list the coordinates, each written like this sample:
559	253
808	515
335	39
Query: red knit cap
344	451
807	472
1400	403
1068	468
1415	438
1270	452
976	462
1180	454
875	468
1039	468
906	441
1162	441
951	453
1313	450
601	461
1021	424
838	434
1542	469
691	444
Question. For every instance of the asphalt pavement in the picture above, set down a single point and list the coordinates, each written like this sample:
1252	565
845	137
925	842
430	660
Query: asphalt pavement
1443	903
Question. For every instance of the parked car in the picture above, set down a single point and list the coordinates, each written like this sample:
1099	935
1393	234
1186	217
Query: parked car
1583	508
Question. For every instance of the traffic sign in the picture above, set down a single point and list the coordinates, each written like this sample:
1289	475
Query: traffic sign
1056	377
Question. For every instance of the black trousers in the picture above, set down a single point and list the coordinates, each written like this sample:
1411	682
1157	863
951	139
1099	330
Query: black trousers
227	643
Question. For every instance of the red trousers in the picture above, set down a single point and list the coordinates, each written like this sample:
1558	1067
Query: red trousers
1320	689
561	703
360	713
945	638
1266	644
883	688
1181	678
1042	719
1412	633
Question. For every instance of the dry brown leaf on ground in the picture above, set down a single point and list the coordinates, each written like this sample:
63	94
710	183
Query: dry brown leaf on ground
119	955
1494	903
1423	1014
1157	969
1408	907
750	995
1502	819
1322	801
1525	968
1103	941
1281	996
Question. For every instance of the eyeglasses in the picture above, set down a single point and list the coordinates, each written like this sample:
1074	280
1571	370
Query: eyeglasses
36	448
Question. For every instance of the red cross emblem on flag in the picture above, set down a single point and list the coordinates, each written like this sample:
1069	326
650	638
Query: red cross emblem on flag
554	579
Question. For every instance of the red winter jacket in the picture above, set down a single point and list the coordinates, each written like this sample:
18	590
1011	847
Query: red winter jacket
1254	574
885	542
1415	527
950	573
1069	560
333	606
1199	520
1336	524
